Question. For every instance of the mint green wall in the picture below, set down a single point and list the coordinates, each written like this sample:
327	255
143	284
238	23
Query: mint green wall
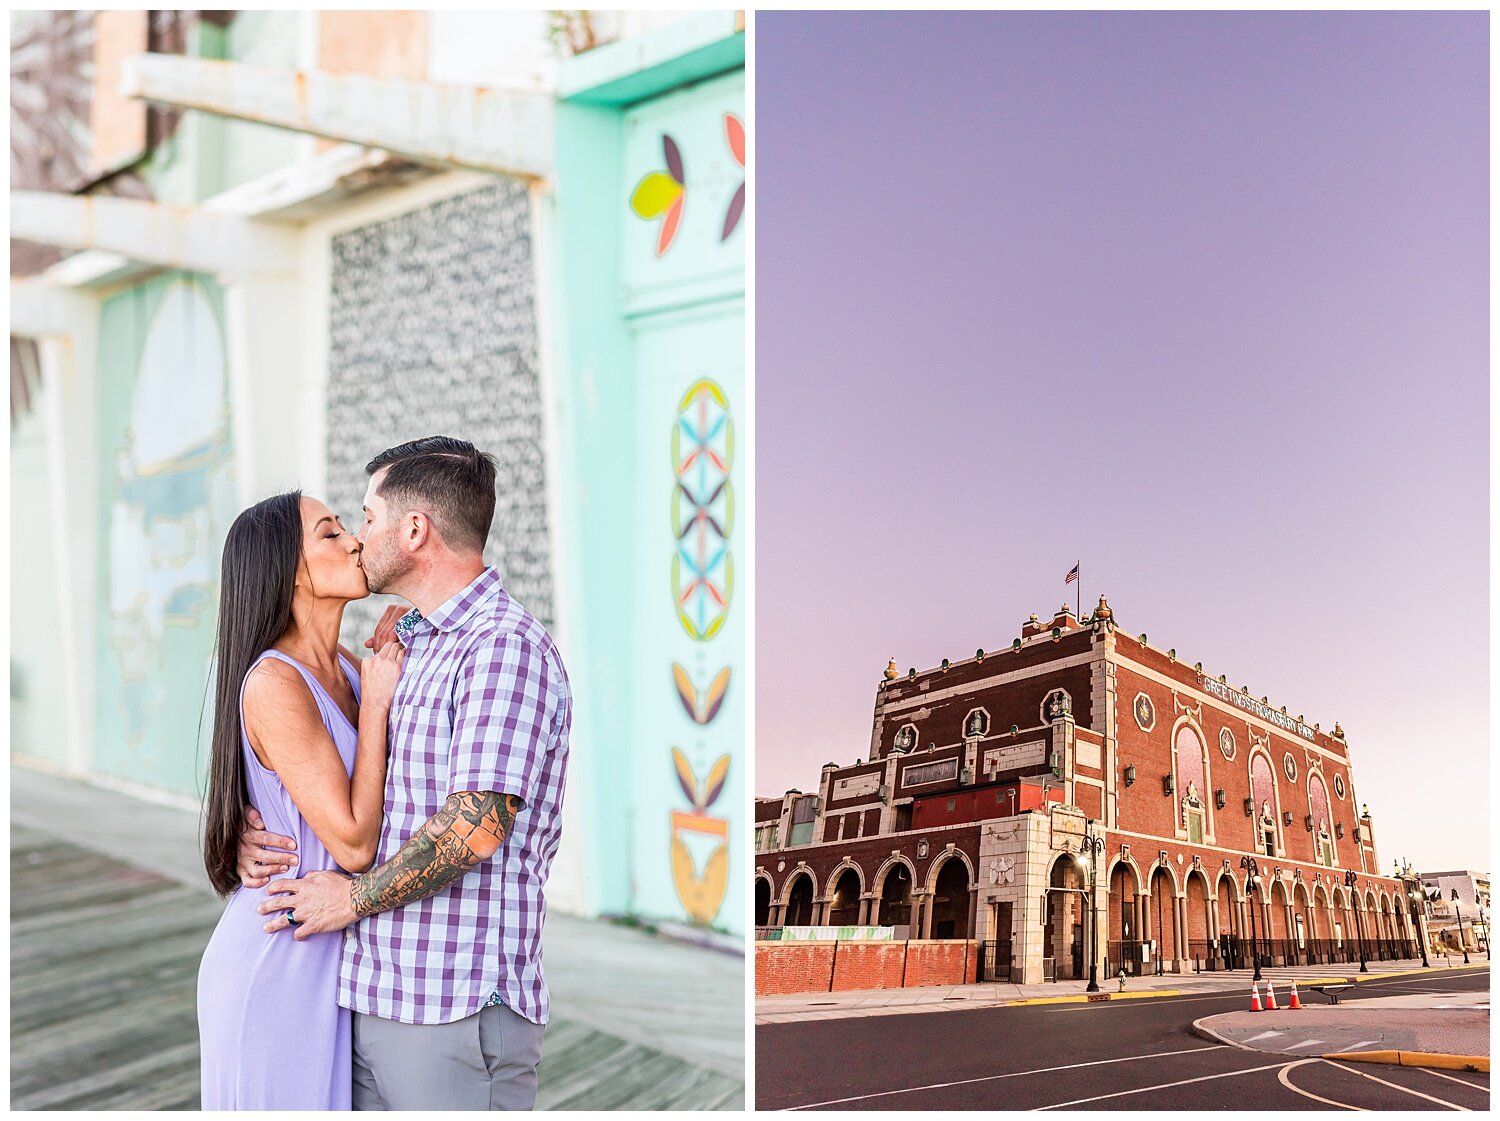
36	655
633	330
166	492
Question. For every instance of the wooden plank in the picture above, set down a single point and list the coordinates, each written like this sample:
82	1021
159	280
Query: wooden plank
104	969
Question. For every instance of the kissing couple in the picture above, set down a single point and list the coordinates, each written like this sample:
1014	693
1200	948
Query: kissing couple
417	793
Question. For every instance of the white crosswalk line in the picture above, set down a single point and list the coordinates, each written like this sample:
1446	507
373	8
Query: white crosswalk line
1304	1043
1265	1035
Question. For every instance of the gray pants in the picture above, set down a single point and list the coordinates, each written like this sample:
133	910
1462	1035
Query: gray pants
487	1061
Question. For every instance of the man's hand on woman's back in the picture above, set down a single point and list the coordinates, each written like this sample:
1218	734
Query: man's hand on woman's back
263	854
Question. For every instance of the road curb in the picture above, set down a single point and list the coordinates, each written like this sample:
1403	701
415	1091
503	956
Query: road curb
1357	978
1479	1063
1200	1029
1091	998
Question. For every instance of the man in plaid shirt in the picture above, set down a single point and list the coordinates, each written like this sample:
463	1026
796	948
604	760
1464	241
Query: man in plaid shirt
442	963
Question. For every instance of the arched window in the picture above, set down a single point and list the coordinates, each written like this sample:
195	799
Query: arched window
1317	801
1263	790
1192	783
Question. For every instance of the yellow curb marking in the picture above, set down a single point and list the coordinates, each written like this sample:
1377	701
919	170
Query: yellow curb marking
1406	973
1092	997
1478	1063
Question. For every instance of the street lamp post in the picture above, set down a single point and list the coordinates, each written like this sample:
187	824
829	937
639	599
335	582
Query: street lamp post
1252	883
1460	913
1093	846
1414	897
1484	921
1350	879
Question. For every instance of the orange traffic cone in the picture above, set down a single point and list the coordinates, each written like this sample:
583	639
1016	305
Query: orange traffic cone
1255	998
1270	998
1295	1003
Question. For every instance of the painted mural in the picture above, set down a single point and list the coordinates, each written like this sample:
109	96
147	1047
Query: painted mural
432	329
701	893
662	194
168	491
682	285
702	587
703	510
734	135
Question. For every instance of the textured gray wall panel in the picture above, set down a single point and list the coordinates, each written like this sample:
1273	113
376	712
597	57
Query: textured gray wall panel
433	331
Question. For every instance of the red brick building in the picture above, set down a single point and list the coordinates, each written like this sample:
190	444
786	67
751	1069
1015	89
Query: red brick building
1084	795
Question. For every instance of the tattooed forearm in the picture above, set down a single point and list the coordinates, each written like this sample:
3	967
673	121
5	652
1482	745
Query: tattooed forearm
469	828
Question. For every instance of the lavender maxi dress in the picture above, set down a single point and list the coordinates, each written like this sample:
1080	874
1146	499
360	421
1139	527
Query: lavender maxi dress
273	1034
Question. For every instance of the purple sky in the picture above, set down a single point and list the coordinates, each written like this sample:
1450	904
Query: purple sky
1199	300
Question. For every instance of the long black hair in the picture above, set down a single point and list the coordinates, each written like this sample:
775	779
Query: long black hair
257	575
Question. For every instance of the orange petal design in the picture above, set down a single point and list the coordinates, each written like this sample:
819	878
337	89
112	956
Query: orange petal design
715	781
734	131
669	226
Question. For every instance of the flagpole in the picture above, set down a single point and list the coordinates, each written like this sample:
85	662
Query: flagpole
1079	589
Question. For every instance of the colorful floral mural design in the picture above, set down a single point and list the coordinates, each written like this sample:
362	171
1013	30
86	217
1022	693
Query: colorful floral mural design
734	132
661	194
700	705
702	586
702	510
701	895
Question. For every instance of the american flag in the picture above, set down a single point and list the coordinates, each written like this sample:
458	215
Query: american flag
1072	577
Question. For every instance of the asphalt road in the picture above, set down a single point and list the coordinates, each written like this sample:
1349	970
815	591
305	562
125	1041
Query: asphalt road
1134	1054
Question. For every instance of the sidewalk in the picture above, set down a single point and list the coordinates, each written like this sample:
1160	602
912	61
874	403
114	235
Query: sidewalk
110	912
1456	1024
885	1002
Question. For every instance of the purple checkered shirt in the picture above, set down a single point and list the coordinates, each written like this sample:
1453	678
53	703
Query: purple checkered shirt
483	704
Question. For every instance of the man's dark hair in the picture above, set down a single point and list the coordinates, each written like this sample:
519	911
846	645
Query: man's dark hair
450	480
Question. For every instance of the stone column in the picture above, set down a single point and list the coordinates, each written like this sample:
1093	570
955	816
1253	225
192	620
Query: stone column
921	913
866	909
1184	951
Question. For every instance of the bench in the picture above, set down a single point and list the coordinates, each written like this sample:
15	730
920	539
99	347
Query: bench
1330	991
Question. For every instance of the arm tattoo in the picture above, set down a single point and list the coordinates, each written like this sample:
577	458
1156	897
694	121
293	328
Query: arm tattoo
439	852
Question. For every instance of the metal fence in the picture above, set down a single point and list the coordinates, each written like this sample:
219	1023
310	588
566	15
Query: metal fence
995	961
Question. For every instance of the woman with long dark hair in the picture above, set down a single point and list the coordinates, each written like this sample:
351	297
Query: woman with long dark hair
300	734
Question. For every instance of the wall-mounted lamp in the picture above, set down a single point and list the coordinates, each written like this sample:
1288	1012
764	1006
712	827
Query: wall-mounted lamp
1286	817
1338	829
1130	775
1309	822
1220	798
1168	785
1249	807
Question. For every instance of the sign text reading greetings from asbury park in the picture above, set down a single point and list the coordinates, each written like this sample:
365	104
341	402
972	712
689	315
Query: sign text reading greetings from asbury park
1251	705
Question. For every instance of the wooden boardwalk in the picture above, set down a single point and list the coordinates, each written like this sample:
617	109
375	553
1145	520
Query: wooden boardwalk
104	965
